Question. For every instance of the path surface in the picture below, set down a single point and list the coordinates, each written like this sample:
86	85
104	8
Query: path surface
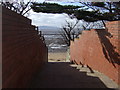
62	74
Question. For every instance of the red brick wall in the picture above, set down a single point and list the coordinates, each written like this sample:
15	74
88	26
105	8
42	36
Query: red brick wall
23	52
0	47
99	49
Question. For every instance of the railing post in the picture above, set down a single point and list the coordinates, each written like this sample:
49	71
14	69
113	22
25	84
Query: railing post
40	33
37	30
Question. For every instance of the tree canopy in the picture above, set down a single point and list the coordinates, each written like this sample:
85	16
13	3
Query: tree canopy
90	12
54	8
109	11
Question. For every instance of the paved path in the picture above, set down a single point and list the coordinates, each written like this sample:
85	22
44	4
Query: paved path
65	75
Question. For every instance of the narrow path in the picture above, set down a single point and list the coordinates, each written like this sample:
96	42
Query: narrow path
61	74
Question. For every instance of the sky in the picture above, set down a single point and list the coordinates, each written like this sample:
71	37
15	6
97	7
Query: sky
44	19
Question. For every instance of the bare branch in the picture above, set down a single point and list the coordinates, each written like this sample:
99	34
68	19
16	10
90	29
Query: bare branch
68	32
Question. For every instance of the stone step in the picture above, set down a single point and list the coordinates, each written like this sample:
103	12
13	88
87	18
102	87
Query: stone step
91	74
79	66
73	65
85	69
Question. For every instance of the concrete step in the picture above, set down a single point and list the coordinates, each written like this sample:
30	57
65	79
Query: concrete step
73	65
85	69
89	72
79	66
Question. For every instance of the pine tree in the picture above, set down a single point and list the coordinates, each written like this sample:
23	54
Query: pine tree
99	10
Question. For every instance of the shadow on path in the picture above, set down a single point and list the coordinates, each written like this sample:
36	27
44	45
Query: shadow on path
62	75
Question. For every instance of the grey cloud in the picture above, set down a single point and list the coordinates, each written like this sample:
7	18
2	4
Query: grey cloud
40	19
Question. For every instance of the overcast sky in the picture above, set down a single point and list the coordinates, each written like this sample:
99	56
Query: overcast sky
44	19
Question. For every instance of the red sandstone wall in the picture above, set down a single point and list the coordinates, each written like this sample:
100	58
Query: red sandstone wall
99	49
23	52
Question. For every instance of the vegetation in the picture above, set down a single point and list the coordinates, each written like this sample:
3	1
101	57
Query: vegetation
53	8
99	10
70	31
19	6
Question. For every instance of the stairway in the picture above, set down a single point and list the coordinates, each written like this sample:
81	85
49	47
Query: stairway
106	80
65	75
